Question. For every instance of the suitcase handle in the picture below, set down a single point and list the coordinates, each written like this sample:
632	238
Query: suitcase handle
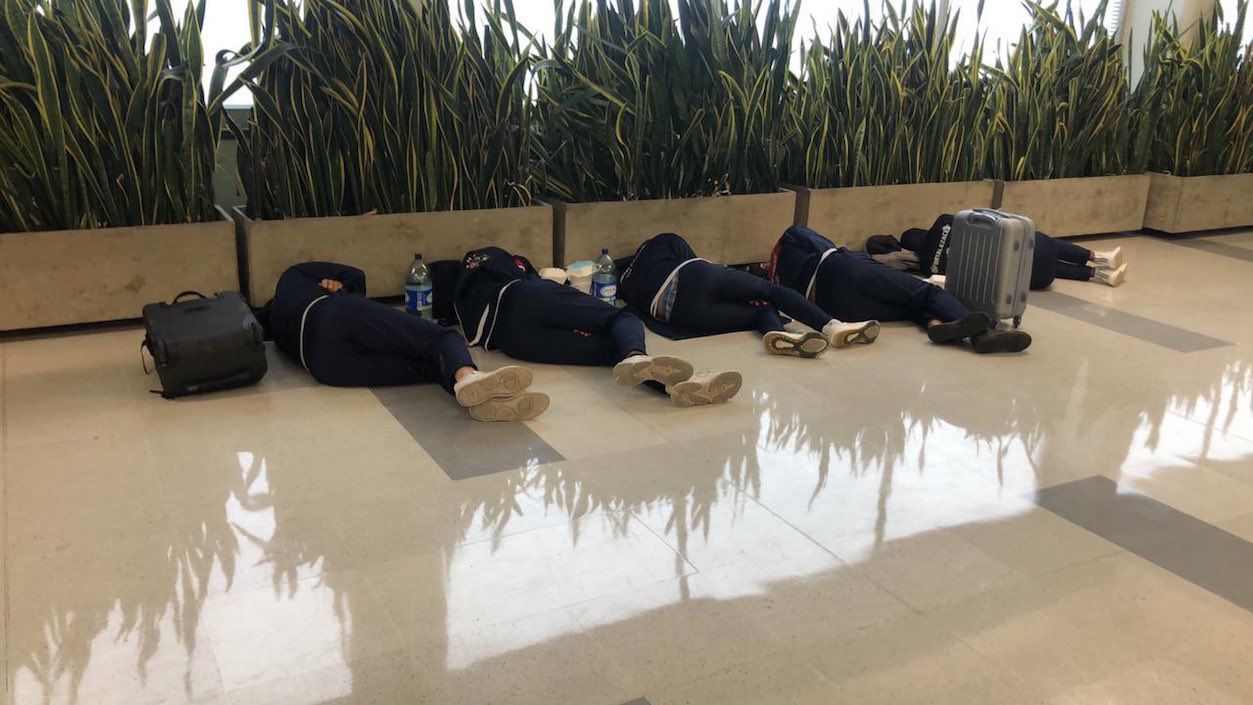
197	294
981	219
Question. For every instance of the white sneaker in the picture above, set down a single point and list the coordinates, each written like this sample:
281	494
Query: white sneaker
843	334
808	344
1110	277
1110	259
705	389
477	387
519	407
638	369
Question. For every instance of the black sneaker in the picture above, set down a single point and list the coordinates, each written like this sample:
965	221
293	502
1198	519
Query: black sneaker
1001	341
967	326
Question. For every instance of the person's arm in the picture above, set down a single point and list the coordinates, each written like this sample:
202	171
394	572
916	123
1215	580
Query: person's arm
353	279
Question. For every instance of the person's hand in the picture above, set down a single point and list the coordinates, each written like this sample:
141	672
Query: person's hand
904	260
331	285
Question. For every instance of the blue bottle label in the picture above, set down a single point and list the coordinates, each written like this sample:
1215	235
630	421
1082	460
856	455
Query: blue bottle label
418	300
606	291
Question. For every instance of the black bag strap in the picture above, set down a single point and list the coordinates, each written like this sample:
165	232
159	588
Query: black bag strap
197	294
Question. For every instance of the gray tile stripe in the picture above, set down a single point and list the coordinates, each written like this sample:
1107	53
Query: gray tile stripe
1218	248
1194	550
1146	329
463	447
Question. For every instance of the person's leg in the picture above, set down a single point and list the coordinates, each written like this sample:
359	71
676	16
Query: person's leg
1075	272
736	295
949	321
365	343
854	287
1070	252
627	333
701	309
1077	254
349	367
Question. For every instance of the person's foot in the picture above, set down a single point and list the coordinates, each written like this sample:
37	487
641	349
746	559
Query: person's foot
1001	341
843	334
638	369
807	344
1109	259
971	324
478	386
1110	277
519	407
705	389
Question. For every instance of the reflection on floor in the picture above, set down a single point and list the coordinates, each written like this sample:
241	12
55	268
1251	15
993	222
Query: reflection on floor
857	529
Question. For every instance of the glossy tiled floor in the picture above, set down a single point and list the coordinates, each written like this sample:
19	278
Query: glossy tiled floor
862	528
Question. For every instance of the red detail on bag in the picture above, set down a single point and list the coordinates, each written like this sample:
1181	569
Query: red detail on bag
772	267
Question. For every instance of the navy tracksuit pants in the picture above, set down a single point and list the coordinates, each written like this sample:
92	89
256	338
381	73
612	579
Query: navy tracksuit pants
1058	259
852	286
714	299
541	321
352	341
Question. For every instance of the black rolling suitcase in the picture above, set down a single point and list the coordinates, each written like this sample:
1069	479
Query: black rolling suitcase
204	344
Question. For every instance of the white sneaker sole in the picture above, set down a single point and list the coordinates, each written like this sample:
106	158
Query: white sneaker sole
1114	277
719	389
504	382
663	368
864	335
809	345
1114	262
523	407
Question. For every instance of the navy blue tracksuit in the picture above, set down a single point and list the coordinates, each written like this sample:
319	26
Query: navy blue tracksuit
503	304
1052	258
711	299
347	340
851	286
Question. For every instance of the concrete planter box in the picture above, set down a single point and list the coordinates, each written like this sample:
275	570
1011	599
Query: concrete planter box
1179	204
848	216
383	245
1088	206
64	277
727	229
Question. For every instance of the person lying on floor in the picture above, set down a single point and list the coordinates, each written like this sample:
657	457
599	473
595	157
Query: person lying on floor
852	285
926	252
503	304
687	295
321	318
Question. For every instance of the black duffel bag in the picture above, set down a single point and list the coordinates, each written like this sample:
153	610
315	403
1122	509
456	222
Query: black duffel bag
204	344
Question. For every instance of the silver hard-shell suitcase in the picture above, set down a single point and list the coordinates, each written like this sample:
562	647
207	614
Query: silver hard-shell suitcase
989	262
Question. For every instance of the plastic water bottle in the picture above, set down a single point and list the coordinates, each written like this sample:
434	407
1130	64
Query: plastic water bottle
605	278
418	296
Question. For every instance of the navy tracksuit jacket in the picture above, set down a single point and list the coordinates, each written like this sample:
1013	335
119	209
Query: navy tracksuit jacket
504	305
347	340
851	286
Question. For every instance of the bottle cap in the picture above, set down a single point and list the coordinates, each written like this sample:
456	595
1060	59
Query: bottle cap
604	250
417	255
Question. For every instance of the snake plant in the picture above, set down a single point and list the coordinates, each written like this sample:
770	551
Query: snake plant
103	123
389	106
635	102
1193	105
882	103
1062	100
